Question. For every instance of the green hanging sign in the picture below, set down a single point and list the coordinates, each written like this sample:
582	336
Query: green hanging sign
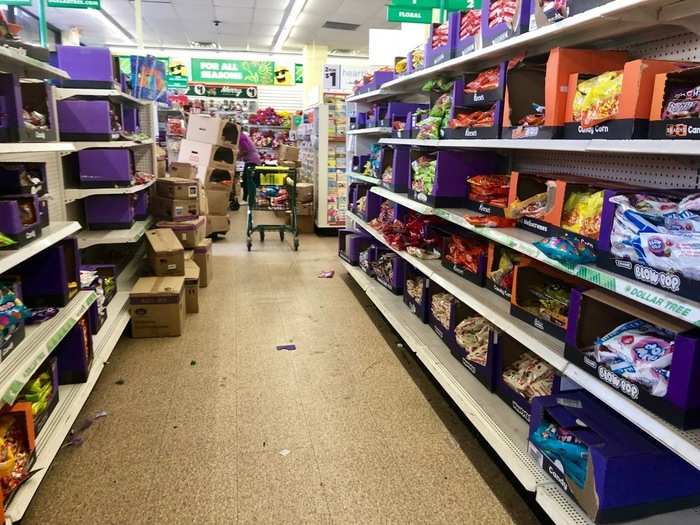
218	71
17	2
75	4
298	73
409	15
417	4
450	5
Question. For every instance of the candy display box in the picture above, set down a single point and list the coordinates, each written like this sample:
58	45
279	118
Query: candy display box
449	314
51	277
674	105
110	212
546	212
483	367
393	273
396	168
595	313
543	14
416	294
468	37
441	176
34	97
25	178
358	163
503	19
75	353
378	78
41	391
88	120
494	190
455	256
625	474
17	423
141	204
631	121
499	276
442	41
377	115
88	67
15	335
105	168
351	243
20	219
398	111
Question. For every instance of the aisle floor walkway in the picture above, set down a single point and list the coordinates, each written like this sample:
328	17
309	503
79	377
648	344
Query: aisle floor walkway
217	427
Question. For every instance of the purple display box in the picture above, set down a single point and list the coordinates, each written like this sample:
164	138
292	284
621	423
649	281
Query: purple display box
75	353
357	190
88	67
51	277
503	31
25	178
50	366
141	200
620	457
377	115
409	57
44	212
358	163
11	223
486	374
351	243
593	314
109	212
445	52
451	173
86	120
398	111
105	168
468	44
130	119
398	275
33	96
476	278
666	281
380	77
103	271
98	317
420	308
458	311
407	131
361	121
374	203
399	158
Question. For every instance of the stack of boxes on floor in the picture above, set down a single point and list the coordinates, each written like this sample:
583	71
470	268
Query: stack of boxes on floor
211	146
289	156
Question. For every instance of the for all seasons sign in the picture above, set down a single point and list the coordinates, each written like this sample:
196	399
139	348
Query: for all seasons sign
218	71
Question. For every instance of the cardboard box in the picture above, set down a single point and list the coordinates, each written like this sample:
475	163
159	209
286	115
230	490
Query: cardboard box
218	177
157	307
305	192
666	86
175	209
218	224
165	252
288	153
218	199
176	188
189	255
305	224
213	130
207	156
203	201
191	287
183	170
305	208
202	256
189	233
470	240
160	170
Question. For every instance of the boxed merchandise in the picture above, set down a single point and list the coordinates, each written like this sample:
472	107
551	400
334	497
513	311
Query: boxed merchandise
351	243
465	254
305	208
13	316
207	156
521	376
51	277
288	153
503	19
446	311
389	270
469	34
25	178
212	130
376	115
27	110
218	224
500	269
547	12
475	345
202	257
367	206
373	81
189	233
674	105
396	168
157	307
88	67
536	201
110	212
18	444
20	220
75	353
165	252
89	120
415	293
615	104
182	170
176	188
442	40
305	224
488	194
192	273
438	177
142	201
536	94
218	198
305	192
174	209
596	456
542	297
41	391
646	355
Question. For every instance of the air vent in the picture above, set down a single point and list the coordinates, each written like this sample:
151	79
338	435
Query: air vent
204	45
341	26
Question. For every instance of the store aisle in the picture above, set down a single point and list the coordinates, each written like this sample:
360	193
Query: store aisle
218	427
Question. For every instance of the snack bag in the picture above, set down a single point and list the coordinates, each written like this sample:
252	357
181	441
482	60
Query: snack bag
582	211
640	343
597	99
566	250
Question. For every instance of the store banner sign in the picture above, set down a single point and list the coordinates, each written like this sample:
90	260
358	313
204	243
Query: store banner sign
178	74
284	76
331	77
203	90
219	71
410	15
74	4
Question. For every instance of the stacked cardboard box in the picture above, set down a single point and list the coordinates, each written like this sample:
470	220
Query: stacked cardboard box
176	199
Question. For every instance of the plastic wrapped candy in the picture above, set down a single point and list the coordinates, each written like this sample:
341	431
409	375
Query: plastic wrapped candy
423	174
503	275
472	334
388	175
441	306
562	447
440	35
638	342
534	207
12	311
14	454
484	81
5	241
429	128
582	211
597	99
415	287
442	106
489	189
470	23
465	252
530	377
489	221
566	250
474	119
549	302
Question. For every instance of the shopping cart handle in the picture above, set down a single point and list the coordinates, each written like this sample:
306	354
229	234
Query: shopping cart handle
291	181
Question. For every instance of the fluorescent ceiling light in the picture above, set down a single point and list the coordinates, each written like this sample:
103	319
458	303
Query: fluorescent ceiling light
288	24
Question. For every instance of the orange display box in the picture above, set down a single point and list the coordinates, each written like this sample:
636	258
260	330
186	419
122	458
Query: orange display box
666	86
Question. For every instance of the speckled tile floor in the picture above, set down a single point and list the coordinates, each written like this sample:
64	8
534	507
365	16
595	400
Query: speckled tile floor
370	438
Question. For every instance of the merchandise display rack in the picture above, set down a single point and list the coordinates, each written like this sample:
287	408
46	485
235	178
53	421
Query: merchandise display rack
88	238
370	131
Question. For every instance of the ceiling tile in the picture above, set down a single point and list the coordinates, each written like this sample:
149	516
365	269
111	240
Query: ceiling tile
235	15
268	16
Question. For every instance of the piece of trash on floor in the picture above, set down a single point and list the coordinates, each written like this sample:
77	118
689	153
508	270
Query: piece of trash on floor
326	274
119	382
193	363
285	452
289	348
74	441
100	413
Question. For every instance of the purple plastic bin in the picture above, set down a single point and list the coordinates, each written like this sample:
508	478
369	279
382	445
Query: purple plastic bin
374	203
476	278
445	52
380	77
43	212
361	121
398	111
398	275
503	31
109	212
419	307
105	168
11	223
141	205
85	120
468	44
377	115
358	163
486	374
88	67
98	317
75	353
34	96
130	119
453	168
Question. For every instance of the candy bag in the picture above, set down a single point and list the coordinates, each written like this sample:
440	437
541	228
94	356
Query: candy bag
582	211
566	250
535	207
597	99
5	241
442	106
640	343
489	221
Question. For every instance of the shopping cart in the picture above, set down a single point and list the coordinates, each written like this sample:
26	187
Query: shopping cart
271	188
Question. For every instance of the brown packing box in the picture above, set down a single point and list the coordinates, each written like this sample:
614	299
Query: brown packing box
175	188
189	233
157	307
288	153
218	197
305	192
202	256
305	223
174	209
218	224
191	287
216	176
203	201
165	252
183	170
305	208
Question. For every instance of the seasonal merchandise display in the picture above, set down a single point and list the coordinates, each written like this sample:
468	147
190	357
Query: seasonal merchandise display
597	99
466	256
17	444
42	392
488	193
372	80
549	302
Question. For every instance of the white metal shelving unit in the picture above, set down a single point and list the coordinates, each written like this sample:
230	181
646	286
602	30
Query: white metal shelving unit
370	131
112	94
74	194
78	146
14	60
50	235
364	178
88	238
12	148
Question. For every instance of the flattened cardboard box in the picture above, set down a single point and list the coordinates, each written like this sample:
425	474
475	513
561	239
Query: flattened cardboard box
174	209
192	273
202	256
165	252
189	233
157	307
183	170
175	188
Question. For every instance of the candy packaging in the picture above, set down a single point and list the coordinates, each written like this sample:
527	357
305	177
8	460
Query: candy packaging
472	334
502	276
502	11
415	287
549	302
441	307
470	23
534	207
484	81
597	99
566	250
489	221
465	252
423	174
530	377
561	446
12	312
475	119
440	35
489	189
683	105
582	211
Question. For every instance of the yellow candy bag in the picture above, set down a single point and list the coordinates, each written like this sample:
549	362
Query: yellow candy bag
598	99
